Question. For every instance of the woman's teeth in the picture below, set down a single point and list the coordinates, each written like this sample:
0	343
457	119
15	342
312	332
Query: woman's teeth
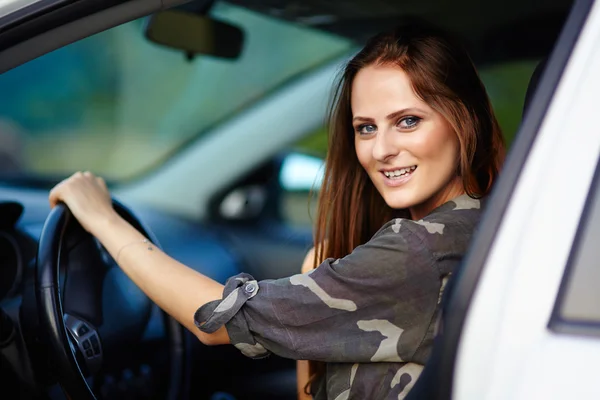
400	172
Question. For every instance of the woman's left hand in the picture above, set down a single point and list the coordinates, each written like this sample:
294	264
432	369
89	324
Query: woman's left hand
87	197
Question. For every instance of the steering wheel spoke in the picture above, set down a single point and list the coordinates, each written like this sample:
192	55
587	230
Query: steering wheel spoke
86	340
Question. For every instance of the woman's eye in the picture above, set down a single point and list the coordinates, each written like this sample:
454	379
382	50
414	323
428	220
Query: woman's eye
409	122
366	129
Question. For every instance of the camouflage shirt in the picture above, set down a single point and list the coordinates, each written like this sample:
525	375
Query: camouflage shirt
370	315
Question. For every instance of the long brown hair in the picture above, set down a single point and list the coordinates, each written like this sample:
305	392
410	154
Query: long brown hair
350	210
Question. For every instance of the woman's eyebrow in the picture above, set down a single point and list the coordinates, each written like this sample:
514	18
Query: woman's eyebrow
405	111
366	119
393	115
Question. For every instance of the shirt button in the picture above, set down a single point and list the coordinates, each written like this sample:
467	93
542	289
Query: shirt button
250	288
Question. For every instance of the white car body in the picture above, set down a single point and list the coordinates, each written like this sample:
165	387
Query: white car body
507	350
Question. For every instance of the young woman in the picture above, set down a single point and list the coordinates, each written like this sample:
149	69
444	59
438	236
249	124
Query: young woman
414	148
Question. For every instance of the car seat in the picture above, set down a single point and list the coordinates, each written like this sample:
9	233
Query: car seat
533	83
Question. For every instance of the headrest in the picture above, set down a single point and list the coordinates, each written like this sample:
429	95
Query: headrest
533	83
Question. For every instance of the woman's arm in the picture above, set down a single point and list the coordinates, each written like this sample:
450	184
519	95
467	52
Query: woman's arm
308	263
302	377
174	287
302	366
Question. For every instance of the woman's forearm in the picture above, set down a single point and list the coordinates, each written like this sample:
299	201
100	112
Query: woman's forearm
302	378
174	287
302	366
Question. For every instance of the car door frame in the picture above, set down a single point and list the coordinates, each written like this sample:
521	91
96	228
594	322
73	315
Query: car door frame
466	292
45	26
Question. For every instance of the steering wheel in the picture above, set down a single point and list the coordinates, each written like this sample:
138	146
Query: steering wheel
89	310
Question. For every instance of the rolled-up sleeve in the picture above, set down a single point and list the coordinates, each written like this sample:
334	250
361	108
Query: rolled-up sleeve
374	305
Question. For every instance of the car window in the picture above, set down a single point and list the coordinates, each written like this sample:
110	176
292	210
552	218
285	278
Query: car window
576	309
300	178
506	84
119	105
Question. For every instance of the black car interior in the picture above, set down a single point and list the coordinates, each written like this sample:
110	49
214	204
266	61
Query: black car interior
69	318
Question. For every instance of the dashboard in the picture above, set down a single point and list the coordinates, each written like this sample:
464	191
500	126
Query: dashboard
217	251
17	249
23	213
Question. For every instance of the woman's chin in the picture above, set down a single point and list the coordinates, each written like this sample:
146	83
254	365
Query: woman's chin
398	202
402	197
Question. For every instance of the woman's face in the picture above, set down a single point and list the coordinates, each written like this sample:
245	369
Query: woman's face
409	150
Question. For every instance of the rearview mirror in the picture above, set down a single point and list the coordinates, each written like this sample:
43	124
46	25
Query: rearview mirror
195	34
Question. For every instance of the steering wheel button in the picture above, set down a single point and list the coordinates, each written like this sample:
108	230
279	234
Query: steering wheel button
83	329
96	350
89	353
86	344
94	340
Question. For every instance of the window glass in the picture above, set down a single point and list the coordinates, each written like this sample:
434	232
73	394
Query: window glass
506	85
119	105
578	304
300	178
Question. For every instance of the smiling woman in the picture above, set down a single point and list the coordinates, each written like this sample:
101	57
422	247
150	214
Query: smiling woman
385	245
412	131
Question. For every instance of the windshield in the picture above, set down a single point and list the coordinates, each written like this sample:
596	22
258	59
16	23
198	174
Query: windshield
119	105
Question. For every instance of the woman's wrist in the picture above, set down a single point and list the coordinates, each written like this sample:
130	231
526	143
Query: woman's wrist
105	224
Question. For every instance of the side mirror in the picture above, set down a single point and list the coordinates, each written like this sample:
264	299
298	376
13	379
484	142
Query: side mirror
194	34
278	189
243	203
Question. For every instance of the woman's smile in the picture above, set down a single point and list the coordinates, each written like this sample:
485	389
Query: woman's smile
394	177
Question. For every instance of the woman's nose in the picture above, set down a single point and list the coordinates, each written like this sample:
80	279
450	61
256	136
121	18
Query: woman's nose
385	146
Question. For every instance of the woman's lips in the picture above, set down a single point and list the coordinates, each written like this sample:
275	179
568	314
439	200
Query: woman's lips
397	180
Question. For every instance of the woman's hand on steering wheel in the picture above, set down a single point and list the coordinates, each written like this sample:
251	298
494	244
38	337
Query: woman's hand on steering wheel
87	197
